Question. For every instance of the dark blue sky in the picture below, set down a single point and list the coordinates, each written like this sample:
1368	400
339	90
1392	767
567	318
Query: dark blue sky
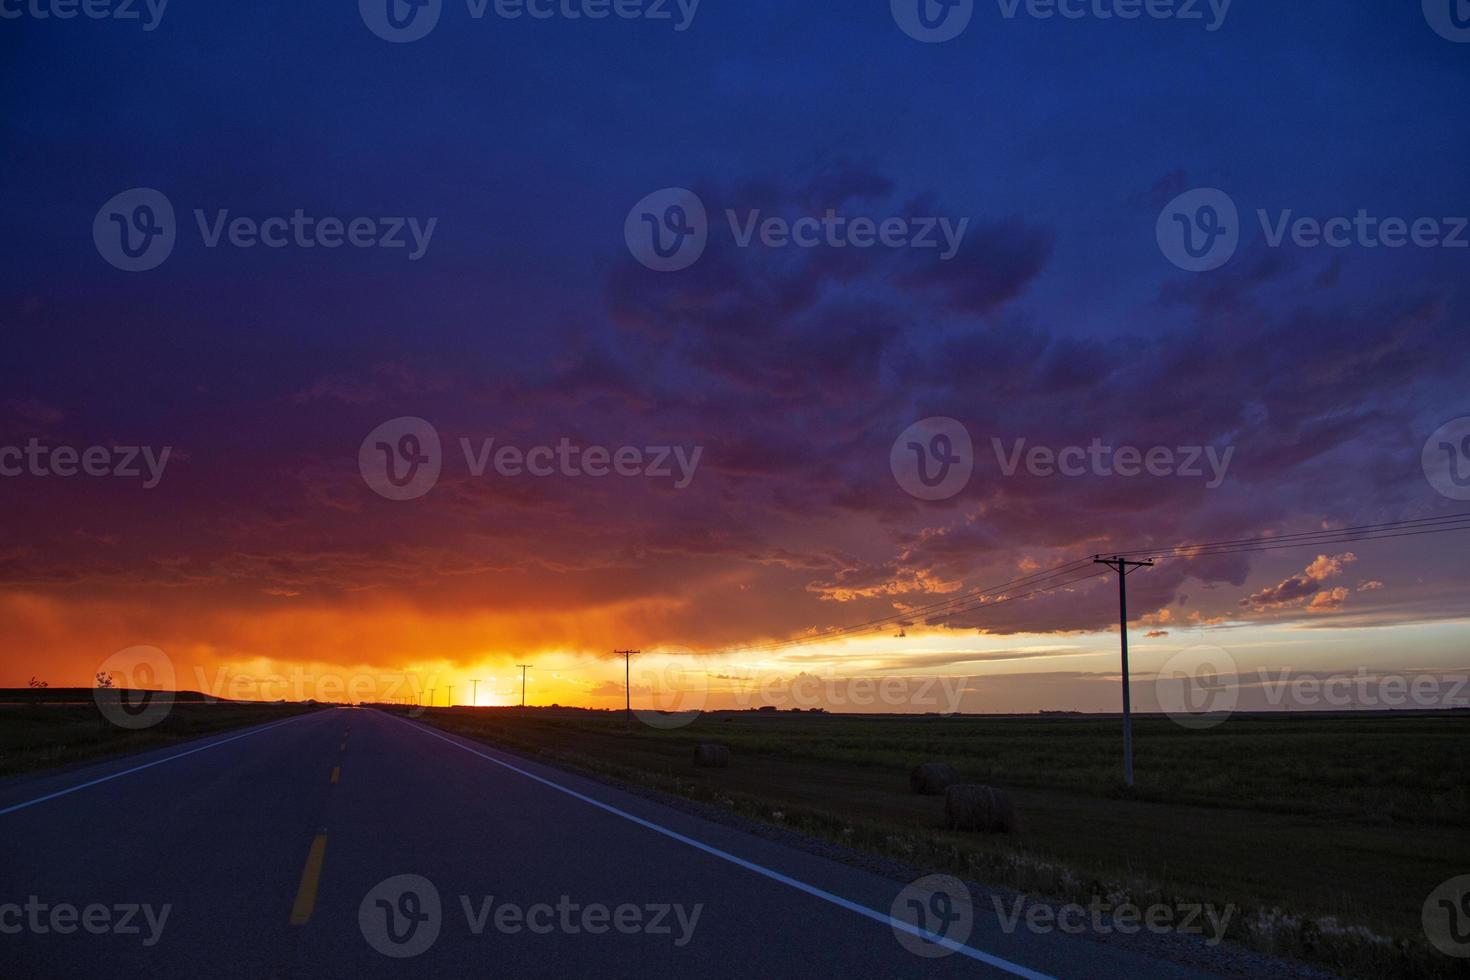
529	141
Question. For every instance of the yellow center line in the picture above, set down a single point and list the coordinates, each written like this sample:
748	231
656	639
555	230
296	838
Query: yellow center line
336	773
311	876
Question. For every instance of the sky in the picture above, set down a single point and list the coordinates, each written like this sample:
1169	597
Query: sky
499	171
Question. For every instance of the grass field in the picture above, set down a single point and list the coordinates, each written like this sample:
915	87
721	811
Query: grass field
1327	832
38	733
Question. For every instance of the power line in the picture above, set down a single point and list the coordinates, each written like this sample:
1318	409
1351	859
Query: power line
1318	542
1063	576
1124	568
627	656
995	595
1361	532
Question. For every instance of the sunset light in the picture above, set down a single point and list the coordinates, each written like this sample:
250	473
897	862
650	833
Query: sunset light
735	488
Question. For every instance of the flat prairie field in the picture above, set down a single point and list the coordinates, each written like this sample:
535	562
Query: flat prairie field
1326	831
37	733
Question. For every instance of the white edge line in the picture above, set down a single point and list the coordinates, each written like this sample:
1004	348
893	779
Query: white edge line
148	765
974	954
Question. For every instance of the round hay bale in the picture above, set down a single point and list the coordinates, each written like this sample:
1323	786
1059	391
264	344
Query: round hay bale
712	755
931	778
985	809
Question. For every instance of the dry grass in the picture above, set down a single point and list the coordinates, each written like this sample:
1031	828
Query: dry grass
1326	832
42	735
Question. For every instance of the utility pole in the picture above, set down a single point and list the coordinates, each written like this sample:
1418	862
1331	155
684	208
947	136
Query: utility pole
627	656
449	699
431	696
475	692
524	668
1123	567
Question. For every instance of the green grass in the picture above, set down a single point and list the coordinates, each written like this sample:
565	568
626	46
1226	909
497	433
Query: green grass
1338	822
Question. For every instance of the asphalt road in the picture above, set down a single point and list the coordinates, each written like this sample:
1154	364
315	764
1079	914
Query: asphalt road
277	851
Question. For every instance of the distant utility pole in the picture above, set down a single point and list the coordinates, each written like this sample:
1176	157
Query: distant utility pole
1123	567
431	696
524	668
627	656
449	700
475	692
